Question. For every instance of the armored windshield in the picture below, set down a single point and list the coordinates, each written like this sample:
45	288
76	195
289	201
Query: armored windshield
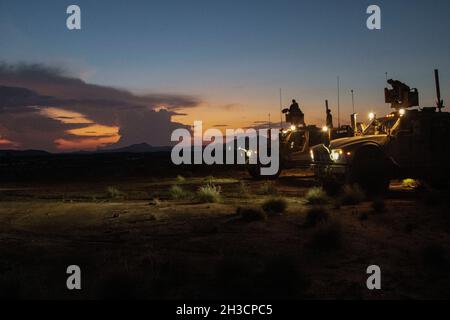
381	126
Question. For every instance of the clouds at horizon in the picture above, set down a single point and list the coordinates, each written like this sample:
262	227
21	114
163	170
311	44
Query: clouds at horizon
44	108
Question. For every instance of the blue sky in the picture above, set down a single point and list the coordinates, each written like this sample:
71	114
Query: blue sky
238	52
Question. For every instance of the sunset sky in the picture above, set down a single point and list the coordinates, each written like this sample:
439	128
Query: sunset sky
139	69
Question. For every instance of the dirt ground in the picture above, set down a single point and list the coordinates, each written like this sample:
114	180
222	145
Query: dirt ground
131	240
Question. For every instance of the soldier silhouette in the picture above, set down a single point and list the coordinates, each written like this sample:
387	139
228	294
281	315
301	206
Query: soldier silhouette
296	115
329	119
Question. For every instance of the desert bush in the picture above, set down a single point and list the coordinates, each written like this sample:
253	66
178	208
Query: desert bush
181	179
316	196
155	202
327	237
243	189
113	192
410	183
268	188
351	195
209	193
378	205
275	206
250	214
315	216
178	193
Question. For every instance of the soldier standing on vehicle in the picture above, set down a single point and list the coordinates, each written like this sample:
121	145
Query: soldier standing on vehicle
329	119
297	116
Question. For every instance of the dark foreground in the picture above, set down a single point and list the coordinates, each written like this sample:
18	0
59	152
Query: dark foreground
133	240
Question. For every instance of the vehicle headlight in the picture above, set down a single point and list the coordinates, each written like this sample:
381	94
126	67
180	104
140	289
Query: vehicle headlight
311	153
336	154
251	153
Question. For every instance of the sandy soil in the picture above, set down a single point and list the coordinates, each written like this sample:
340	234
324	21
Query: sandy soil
138	242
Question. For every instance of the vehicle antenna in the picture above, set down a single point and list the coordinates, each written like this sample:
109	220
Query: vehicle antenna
281	111
339	103
270	124
440	102
353	100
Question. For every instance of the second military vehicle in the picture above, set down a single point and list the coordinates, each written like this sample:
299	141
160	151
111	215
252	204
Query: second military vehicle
407	143
296	141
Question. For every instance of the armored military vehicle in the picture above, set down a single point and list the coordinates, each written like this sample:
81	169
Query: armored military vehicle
296	142
408	142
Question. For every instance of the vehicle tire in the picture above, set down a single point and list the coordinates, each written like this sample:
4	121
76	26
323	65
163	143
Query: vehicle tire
255	172
331	187
369	170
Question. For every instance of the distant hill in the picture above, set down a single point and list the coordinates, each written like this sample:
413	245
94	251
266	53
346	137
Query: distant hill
136	148
23	153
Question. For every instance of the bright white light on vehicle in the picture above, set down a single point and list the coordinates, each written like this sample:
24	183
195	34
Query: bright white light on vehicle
336	154
293	128
311	154
324	129
401	112
371	116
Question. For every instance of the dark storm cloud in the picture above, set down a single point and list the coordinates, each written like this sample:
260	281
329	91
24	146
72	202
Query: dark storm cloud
33	131
19	99
25	86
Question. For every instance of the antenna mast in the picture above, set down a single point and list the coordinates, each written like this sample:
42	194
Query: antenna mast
353	100
339	103
440	102
281	111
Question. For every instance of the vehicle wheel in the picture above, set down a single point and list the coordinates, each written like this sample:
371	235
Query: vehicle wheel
369	171
255	172
330	186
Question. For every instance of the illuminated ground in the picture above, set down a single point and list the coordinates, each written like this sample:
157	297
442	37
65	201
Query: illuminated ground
129	245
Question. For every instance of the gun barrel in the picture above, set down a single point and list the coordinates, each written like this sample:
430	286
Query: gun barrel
438	89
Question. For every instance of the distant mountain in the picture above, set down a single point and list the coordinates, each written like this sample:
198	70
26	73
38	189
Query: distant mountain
23	153
136	148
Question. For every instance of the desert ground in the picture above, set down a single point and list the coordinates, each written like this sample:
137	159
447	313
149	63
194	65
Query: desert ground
160	238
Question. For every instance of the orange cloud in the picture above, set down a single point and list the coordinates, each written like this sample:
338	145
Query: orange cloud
65	116
95	130
6	142
89	137
85	144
